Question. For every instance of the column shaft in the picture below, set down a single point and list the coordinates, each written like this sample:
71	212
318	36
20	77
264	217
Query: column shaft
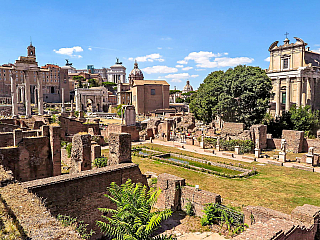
278	95
288	91
299	81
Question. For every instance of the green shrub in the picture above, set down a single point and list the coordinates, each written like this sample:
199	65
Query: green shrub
228	145
189	209
69	148
100	162
80	227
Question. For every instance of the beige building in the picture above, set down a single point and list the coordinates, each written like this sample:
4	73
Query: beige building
145	95
295	74
26	73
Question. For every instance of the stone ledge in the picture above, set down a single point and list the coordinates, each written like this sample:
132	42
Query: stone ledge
70	177
275	163
310	169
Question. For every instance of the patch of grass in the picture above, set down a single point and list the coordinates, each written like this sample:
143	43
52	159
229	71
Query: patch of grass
278	188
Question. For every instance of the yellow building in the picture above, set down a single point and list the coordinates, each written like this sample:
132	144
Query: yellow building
294	72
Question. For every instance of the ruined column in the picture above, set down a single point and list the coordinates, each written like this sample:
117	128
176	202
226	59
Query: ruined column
40	95
119	148
62	100
22	95
17	136
78	101
288	91
299	83
55	145
278	102
27	94
13	97
81	153
35	98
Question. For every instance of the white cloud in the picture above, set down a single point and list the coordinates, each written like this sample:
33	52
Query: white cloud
316	50
149	58
90	48
178	77
179	66
159	69
199	69
170	48
166	38
267	59
182	62
203	60
159	47
70	51
187	68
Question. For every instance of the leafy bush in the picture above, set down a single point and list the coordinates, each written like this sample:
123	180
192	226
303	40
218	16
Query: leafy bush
100	162
132	218
228	145
69	148
80	227
189	209
64	144
224	216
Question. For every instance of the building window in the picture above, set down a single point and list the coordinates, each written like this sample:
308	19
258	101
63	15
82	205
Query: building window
283	98
52	89
153	92
286	63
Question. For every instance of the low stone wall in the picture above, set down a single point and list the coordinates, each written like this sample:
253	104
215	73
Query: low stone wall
273	143
198	198
232	128
80	194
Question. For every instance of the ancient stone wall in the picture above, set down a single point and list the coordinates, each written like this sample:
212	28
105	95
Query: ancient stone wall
119	148
71	126
6	139
259	134
117	128
273	143
294	140
80	194
81	153
4	127
5	111
198	198
232	128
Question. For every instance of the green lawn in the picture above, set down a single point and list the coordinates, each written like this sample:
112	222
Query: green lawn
279	188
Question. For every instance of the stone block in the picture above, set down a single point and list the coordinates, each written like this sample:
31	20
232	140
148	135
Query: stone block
119	148
282	157
81	153
294	140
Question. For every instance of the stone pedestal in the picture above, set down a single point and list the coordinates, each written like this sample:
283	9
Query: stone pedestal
257	152
282	157
309	158
80	153
218	147
237	150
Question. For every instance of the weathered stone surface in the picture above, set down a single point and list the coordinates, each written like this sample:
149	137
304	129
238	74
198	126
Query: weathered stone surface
119	148
81	153
294	140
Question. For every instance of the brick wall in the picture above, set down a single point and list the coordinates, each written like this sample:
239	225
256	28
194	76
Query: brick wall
198	199
232	128
6	139
4	127
79	195
294	140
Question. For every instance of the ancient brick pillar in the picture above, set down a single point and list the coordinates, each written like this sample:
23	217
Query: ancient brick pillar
55	145
81	153
119	148
45	130
170	197
17	136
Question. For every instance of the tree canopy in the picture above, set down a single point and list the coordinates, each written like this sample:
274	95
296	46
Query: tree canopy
241	94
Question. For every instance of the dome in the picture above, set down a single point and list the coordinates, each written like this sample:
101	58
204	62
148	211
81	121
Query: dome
136	73
187	87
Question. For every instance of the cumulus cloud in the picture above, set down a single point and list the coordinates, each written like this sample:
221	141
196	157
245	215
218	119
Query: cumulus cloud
90	48
179	66
159	47
149	58
204	60
159	69
267	59
187	68
200	69
178	77
182	62
70	51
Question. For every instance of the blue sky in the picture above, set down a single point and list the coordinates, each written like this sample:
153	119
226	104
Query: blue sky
172	40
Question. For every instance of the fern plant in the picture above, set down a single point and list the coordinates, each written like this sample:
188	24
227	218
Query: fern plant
132	219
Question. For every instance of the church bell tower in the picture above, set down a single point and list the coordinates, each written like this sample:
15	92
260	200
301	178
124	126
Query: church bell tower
31	50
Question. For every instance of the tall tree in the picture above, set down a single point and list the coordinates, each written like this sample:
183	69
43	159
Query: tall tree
241	94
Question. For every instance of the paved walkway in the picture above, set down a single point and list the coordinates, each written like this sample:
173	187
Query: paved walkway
195	149
201	236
